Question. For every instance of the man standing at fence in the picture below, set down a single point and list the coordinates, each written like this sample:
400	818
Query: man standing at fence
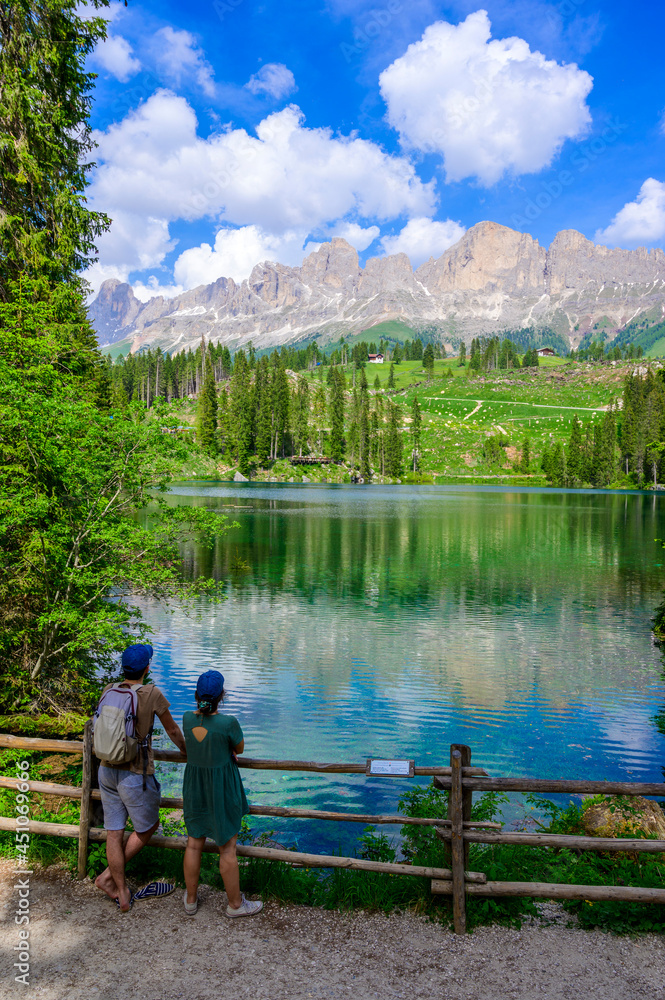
131	789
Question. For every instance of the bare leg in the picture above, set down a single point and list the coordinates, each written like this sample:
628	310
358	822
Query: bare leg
192	865
112	879
228	869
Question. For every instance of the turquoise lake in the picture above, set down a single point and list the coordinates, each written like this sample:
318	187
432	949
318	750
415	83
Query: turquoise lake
394	621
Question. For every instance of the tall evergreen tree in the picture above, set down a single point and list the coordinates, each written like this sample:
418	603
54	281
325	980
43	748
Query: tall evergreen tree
337	390
319	407
394	453
557	466
575	454
301	416
363	426
280	405
206	409
241	406
263	390
391	376
47	232
224	445
416	422
428	359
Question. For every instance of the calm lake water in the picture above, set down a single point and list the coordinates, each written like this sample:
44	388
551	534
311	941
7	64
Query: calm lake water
393	621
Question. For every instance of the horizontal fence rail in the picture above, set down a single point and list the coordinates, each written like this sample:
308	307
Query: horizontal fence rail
72	792
249	851
458	831
565	786
258	764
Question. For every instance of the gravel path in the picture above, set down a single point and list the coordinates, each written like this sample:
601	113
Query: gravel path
84	949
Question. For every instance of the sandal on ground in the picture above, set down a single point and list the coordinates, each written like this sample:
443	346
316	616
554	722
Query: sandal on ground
190	908
248	908
155	890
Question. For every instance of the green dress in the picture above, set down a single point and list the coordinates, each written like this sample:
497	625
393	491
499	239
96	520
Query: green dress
214	798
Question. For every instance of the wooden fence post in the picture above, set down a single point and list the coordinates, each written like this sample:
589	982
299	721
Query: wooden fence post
86	802
458	808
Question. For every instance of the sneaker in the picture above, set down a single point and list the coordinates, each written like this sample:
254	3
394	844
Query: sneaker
190	908
247	908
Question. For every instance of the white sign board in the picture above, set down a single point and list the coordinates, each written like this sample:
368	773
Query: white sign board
391	768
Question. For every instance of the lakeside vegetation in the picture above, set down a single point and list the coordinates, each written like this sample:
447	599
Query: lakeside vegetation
497	416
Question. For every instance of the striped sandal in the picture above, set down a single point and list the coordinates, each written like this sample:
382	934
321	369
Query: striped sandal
154	890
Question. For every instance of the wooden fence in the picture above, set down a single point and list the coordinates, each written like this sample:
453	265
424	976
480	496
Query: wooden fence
459	779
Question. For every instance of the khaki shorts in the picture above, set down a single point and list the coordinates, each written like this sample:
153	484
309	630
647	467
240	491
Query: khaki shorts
123	796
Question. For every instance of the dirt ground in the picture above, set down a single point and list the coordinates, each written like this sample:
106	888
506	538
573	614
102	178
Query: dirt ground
83	948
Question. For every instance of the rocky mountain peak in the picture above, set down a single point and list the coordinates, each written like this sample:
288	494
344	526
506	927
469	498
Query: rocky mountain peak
334	264
114	308
494	278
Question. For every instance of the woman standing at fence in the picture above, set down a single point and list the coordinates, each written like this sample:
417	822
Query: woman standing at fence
214	798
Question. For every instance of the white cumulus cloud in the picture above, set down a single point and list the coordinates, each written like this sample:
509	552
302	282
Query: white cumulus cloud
287	179
358	236
144	291
640	222
235	253
115	55
273	79
423	238
488	106
178	56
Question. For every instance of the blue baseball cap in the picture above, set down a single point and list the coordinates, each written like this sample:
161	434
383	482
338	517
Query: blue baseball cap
210	684
135	659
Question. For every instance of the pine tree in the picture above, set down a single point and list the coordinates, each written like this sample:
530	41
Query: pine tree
557	466
377	382
47	234
206	410
241	411
391	376
280	406
263	391
337	388
394	458
363	426
462	354
301	415
575	455
428	360
525	457
223	441
319	404
416	421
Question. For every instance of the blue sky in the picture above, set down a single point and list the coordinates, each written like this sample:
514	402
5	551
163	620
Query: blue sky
232	132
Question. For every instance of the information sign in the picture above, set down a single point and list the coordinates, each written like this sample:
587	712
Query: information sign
390	768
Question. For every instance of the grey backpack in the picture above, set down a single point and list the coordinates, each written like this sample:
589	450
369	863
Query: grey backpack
114	725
